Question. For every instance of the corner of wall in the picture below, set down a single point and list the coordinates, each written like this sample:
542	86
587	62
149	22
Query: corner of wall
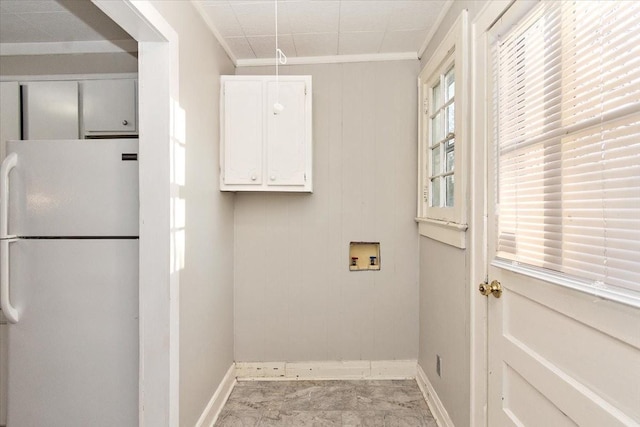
436	406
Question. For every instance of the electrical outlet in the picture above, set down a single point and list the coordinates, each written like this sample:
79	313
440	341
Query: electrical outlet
438	365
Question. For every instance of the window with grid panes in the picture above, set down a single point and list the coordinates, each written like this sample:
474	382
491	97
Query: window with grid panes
442	140
443	88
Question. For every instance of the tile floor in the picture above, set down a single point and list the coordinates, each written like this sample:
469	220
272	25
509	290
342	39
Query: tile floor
326	403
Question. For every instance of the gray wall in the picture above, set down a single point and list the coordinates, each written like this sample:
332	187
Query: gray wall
295	298
444	291
86	63
206	279
444	325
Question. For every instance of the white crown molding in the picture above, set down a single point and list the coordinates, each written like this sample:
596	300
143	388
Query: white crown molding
334	59
435	27
214	30
58	48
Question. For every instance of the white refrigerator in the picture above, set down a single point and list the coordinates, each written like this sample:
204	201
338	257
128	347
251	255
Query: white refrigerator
69	282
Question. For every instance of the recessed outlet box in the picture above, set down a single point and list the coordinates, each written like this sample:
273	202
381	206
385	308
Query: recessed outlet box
364	256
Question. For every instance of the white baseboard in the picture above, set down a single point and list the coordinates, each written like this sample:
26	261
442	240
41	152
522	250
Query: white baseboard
435	405
327	370
213	408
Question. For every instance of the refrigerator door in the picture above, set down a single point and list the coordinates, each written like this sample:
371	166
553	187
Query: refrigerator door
73	356
74	188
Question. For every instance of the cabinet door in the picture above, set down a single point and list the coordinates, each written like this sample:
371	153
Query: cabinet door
50	110
243	132
286	134
109	106
9	123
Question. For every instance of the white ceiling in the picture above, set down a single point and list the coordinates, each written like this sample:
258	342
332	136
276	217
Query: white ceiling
49	21
311	28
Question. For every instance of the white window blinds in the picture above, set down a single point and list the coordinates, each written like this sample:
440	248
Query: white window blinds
567	125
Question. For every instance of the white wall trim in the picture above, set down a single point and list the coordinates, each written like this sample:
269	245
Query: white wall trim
433	401
478	156
159	285
435	27
333	59
448	232
214	407
62	48
327	370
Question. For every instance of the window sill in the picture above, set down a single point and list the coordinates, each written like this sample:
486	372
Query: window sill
451	233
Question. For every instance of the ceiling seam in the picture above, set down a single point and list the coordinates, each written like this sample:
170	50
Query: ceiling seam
293	39
244	34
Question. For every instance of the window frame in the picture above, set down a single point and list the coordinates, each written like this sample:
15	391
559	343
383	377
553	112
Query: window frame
445	224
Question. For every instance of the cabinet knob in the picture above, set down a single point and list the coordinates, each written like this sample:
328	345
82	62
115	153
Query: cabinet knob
125	122
253	177
272	178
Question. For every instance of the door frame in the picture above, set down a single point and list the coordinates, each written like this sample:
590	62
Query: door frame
158	280
478	186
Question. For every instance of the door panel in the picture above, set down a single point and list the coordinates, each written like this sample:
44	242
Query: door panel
9	114
74	188
50	110
243	132
286	134
548	340
109	106
526	405
73	356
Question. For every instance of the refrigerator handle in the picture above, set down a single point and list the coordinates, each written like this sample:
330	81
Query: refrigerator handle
7	165
8	310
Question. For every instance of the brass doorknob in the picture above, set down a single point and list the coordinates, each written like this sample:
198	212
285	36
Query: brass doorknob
494	288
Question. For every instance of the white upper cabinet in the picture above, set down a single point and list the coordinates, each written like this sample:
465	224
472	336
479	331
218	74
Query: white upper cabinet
50	110
264	148
109	107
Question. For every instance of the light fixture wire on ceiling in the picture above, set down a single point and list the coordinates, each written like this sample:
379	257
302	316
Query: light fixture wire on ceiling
281	58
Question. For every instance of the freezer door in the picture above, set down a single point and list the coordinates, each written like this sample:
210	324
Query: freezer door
73	356
74	188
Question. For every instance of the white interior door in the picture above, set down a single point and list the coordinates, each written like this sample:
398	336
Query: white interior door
559	352
560	357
